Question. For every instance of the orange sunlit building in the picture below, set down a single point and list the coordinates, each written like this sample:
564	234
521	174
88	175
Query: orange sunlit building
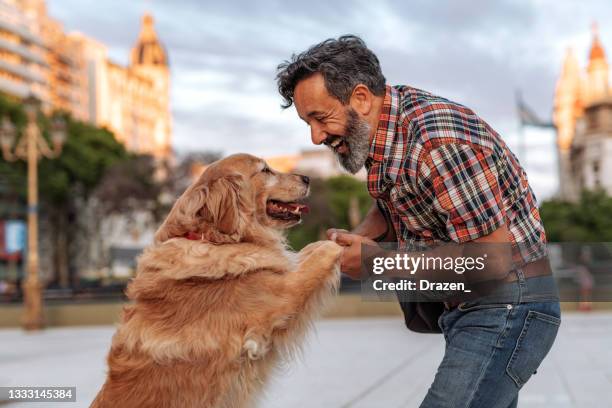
72	72
583	118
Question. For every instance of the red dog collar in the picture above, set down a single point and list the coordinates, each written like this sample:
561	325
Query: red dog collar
194	236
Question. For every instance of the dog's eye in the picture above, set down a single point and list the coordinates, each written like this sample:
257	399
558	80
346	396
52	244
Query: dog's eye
266	170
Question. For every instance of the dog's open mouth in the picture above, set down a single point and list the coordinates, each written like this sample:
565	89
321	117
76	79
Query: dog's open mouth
285	211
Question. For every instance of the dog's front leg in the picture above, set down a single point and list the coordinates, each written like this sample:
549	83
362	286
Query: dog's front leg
295	299
316	278
318	267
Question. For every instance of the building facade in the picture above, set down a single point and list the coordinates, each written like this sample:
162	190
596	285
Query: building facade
583	118
24	68
72	72
134	101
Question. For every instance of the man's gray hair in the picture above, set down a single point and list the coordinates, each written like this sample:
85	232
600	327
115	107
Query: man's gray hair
344	63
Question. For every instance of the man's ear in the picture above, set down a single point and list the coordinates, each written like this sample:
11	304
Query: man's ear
222	206
361	99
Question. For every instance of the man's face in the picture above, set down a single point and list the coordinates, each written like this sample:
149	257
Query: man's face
336	125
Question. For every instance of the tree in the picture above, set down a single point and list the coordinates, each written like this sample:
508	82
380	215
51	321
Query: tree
12	174
588	220
65	181
329	203
127	184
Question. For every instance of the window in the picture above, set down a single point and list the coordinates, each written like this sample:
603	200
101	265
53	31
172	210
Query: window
596	175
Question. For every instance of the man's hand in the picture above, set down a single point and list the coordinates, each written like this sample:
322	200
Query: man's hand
350	260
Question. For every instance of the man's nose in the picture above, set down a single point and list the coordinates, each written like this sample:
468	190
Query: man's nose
317	135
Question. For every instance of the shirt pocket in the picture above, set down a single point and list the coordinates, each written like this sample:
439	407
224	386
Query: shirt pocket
534	343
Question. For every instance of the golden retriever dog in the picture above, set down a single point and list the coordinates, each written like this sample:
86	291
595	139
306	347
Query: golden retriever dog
218	300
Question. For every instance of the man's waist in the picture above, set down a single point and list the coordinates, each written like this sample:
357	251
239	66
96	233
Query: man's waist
540	267
535	269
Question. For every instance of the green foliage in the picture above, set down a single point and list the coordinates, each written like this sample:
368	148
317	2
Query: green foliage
12	174
92	161
329	203
588	220
340	190
87	152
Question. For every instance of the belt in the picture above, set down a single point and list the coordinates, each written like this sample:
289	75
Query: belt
541	267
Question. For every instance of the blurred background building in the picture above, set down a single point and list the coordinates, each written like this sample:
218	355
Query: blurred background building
72	72
24	66
583	118
318	163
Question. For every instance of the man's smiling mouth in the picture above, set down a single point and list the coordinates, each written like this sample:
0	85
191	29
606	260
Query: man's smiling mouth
338	145
336	142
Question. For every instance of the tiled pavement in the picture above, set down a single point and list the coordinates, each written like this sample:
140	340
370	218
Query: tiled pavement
348	363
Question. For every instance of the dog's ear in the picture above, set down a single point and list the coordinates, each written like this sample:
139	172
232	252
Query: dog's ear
183	215
223	205
213	210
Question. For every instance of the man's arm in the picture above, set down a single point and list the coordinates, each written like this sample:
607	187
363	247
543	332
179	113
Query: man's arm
374	226
495	247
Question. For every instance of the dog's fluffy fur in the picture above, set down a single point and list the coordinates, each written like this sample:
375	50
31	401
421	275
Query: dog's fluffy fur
211	318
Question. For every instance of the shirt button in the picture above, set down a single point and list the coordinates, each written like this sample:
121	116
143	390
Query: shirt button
509	307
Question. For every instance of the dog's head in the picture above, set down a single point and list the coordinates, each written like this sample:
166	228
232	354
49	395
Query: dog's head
236	199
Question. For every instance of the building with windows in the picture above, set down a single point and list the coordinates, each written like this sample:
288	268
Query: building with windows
24	68
133	101
72	72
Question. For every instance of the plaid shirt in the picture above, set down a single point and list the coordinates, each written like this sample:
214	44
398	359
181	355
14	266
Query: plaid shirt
440	173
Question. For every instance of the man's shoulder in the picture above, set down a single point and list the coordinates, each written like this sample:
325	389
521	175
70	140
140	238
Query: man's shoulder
432	120
419	104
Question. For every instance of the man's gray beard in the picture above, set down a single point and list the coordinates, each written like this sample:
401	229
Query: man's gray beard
357	139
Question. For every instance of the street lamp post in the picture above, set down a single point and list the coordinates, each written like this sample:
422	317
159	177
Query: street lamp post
30	147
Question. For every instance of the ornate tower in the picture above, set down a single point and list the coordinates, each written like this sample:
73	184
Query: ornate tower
582	100
150	60
568	100
567	109
597	70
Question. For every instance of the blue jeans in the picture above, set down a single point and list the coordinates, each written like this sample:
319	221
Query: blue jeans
491	352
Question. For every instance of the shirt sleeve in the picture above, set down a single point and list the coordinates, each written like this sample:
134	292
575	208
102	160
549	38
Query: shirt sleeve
462	184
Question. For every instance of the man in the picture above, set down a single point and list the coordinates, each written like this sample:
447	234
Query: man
438	174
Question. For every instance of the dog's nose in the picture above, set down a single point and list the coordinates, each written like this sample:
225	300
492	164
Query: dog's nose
305	179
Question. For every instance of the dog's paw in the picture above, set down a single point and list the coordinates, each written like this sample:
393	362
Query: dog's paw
322	251
309	249
254	349
330	249
325	246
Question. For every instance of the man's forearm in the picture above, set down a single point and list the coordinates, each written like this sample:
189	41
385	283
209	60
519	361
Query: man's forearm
375	226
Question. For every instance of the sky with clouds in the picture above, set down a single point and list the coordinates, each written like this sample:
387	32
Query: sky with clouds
223	58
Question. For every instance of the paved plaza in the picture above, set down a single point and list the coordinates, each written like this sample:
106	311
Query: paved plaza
347	363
